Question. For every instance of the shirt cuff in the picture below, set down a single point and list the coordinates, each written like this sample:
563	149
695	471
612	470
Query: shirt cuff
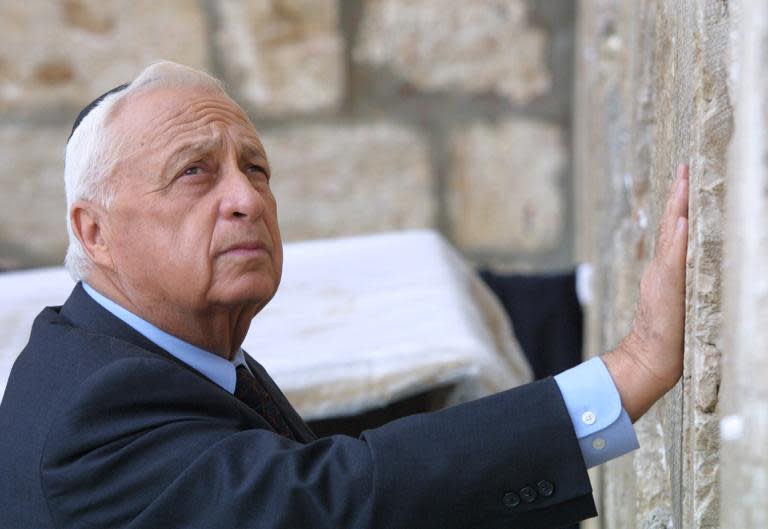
602	426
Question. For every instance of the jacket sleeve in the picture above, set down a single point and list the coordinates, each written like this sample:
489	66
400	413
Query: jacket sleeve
144	444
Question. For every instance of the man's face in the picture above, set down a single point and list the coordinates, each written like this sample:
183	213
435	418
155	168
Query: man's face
194	224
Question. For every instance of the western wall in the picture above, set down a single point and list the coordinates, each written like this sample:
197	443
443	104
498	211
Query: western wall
661	83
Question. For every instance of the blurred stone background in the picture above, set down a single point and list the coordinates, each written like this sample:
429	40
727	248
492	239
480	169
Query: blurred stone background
376	114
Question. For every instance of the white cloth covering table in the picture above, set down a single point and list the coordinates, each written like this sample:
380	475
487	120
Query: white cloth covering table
357	323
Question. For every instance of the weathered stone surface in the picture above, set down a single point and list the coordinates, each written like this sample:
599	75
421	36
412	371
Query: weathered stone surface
344	180
285	61
744	425
69	51
282	55
478	46
32	204
652	93
504	190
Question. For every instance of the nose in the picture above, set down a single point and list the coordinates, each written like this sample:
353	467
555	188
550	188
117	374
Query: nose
240	196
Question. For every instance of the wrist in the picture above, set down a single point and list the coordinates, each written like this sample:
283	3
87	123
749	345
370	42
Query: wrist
638	386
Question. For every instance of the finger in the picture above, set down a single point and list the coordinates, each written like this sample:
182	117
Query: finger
676	257
676	207
680	201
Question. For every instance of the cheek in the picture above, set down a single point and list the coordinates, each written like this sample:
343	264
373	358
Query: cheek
189	243
274	232
162	241
133	234
278	267
143	248
270	218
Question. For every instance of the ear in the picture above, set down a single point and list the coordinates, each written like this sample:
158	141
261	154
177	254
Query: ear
90	226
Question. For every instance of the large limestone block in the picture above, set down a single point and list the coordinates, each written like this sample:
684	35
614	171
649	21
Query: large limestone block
744	401
282	55
69	51
478	46
651	94
32	203
504	191
343	180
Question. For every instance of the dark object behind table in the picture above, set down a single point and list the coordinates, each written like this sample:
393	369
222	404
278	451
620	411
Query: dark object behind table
546	316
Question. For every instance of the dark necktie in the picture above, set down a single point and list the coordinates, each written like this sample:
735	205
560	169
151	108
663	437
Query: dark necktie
250	391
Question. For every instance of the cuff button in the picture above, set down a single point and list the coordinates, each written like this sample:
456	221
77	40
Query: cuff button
511	500
546	488
528	494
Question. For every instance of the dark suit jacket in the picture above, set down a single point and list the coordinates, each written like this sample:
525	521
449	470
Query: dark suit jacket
100	428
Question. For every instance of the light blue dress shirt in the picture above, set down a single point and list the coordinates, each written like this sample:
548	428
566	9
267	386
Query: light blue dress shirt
218	369
602	427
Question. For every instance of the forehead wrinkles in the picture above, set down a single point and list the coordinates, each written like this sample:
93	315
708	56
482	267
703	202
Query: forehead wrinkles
175	115
197	116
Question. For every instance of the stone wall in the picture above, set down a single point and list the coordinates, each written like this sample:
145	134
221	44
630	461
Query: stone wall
744	409
376	114
652	91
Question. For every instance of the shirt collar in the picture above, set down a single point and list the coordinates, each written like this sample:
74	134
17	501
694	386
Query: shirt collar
218	369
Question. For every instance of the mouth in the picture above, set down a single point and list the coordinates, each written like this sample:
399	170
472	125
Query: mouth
247	249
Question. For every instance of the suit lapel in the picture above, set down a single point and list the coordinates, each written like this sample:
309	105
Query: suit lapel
84	312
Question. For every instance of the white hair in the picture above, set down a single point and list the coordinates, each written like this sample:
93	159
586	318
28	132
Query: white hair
91	154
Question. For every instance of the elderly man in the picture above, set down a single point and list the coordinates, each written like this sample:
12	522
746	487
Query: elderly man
133	405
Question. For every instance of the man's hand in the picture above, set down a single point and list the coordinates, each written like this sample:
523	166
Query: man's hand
649	361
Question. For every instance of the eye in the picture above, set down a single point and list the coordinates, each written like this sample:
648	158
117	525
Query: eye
196	171
257	170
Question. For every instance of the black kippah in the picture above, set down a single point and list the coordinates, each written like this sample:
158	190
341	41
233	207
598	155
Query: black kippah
84	112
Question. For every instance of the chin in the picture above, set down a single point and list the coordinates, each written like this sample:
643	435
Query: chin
247	289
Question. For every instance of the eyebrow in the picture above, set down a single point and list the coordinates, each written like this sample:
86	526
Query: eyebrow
195	148
252	149
187	150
